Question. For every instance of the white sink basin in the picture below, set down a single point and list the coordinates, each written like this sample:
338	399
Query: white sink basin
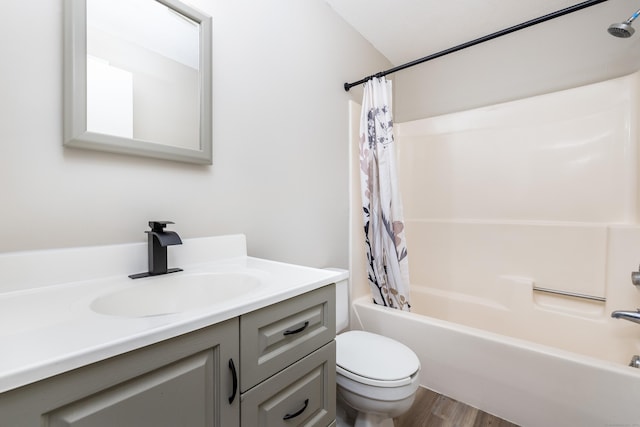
175	293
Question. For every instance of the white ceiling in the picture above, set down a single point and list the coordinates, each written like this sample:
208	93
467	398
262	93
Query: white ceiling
568	51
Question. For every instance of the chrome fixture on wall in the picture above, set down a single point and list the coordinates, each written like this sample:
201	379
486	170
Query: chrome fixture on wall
624	29
635	277
632	316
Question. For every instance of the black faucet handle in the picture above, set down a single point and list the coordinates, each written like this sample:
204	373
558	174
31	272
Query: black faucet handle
159	225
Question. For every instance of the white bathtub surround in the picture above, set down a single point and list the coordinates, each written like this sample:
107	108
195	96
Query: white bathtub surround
47	325
569	156
502	201
507	304
387	262
469	257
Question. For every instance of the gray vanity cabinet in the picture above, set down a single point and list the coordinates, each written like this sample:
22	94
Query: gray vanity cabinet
185	381
283	357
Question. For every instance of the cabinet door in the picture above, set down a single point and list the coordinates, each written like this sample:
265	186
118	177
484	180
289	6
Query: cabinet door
179	394
185	381
304	394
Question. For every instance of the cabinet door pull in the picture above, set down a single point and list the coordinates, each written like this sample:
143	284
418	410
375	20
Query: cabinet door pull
295	331
295	414
234	376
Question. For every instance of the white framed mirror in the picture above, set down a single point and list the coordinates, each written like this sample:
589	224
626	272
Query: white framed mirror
137	78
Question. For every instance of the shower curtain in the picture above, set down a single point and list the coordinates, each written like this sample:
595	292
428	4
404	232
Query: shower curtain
388	268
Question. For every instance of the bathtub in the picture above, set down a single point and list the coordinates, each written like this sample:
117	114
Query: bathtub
551	363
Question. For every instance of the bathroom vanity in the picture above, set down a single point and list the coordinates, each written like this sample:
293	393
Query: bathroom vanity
266	358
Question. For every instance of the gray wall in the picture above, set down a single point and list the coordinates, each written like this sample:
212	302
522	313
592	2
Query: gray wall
280	172
566	52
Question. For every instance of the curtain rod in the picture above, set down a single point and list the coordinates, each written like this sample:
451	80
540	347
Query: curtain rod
474	42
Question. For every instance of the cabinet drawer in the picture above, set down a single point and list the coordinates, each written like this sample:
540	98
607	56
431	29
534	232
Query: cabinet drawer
302	395
277	336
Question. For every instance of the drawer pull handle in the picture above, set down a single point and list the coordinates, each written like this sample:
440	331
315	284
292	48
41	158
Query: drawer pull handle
234	376
289	416
296	331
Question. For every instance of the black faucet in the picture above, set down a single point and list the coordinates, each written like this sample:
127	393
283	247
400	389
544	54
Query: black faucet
158	240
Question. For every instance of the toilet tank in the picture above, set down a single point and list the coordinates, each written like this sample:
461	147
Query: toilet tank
342	302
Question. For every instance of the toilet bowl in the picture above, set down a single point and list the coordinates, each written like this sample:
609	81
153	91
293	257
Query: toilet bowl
376	377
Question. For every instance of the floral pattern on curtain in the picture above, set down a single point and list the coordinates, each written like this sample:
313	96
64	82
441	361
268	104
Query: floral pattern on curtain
388	266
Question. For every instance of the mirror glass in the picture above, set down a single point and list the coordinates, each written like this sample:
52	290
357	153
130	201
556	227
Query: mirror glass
138	78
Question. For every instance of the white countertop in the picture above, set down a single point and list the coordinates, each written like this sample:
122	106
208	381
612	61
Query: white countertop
51	329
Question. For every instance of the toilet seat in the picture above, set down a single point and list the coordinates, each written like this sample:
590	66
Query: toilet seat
375	360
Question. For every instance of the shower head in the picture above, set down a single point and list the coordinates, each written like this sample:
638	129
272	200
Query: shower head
623	29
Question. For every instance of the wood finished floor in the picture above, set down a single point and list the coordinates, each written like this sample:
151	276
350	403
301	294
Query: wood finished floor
431	409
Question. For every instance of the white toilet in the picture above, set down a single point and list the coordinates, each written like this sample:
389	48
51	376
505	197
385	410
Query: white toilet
377	377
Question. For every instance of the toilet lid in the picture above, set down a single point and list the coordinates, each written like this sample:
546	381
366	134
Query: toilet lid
375	359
